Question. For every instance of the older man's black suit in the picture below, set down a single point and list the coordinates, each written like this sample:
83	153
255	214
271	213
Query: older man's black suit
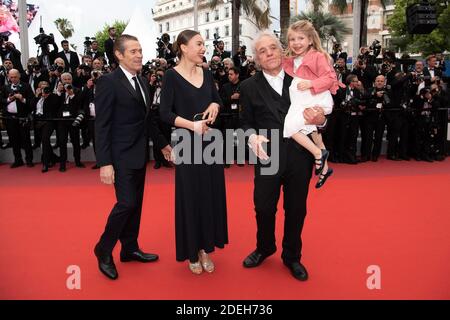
121	123
264	108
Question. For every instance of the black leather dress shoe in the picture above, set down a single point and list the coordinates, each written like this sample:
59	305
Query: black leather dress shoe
80	165
44	168
298	270
30	164
106	264
166	164
138	256
157	165
17	164
254	259
62	168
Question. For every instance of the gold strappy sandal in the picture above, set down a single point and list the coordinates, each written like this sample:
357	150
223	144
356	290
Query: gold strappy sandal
195	267
206	261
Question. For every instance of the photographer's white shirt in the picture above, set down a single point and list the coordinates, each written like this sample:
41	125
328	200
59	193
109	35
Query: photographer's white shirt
12	106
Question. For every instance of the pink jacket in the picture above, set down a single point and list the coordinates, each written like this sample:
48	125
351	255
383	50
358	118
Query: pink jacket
315	67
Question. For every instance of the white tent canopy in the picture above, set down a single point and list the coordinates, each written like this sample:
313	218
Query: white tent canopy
143	28
49	27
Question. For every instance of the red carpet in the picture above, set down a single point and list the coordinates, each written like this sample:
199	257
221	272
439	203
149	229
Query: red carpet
392	214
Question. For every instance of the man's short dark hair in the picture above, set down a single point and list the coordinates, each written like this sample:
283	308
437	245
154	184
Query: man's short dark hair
111	28
350	78
119	44
235	70
64	41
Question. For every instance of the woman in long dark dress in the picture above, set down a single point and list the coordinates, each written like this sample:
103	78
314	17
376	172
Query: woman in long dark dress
200	199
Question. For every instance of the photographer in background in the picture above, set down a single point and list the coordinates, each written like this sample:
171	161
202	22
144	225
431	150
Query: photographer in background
418	78
155	83
70	58
165	50
4	70
218	70
83	72
365	71
34	75
219	48
47	57
432	71
88	102
341	70
348	103
338	53
69	108
45	106
16	102
229	117
240	58
55	71
374	120
109	48
94	52
9	51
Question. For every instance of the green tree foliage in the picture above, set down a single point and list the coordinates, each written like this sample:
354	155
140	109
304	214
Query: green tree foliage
103	35
437	41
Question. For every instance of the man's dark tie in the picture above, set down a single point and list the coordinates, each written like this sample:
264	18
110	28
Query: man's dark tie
138	90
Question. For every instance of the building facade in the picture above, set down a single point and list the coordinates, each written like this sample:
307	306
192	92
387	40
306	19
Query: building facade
174	16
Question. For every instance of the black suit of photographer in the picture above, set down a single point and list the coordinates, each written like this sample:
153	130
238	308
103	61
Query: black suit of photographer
366	75
428	77
229	116
47	58
347	101
88	97
74	61
33	79
397	120
375	121
164	128
96	55
222	54
10	52
18	129
43	127
109	51
69	108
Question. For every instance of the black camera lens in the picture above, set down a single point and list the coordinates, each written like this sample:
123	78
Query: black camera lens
68	87
60	69
46	90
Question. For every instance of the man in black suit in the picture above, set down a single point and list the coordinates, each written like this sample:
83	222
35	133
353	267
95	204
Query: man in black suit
265	103
109	47
431	72
10	52
122	105
70	58
16	102
95	53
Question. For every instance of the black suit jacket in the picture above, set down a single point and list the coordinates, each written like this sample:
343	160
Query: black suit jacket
109	50
23	109
259	108
50	107
96	55
122	122
426	73
15	57
74	61
263	108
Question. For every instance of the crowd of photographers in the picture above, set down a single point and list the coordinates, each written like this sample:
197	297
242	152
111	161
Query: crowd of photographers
406	98
55	93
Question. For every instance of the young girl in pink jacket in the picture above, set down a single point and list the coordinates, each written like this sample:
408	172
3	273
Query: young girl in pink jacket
314	82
